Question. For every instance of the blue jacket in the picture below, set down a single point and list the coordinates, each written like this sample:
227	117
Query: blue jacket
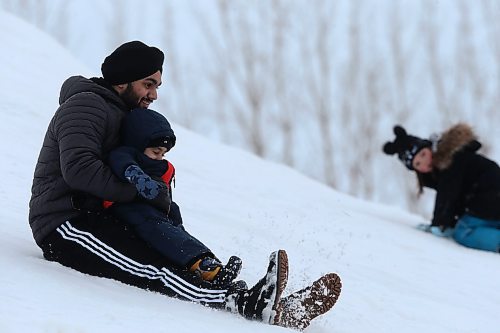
163	230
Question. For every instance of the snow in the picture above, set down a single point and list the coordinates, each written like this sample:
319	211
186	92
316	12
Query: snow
395	278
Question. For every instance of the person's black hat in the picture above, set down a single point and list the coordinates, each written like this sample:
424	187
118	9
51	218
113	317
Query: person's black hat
406	146
130	62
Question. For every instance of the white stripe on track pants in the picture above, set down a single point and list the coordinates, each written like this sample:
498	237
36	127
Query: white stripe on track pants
102	247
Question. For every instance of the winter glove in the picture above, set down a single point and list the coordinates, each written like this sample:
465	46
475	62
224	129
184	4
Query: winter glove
146	187
154	192
424	227
446	232
436	230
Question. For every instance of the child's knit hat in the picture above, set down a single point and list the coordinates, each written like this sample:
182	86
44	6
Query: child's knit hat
143	128
406	146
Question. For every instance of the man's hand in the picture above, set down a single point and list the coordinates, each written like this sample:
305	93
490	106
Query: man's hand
147	187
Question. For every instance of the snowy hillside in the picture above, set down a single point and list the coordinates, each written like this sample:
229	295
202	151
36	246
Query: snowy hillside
395	278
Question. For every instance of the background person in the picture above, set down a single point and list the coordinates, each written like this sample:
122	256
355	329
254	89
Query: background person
467	184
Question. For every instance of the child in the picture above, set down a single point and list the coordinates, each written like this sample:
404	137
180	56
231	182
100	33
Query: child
156	219
146	137
467	184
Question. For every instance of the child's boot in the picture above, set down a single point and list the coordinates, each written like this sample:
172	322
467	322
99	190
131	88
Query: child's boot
212	270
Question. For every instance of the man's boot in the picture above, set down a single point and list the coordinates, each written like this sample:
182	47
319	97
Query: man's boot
261	302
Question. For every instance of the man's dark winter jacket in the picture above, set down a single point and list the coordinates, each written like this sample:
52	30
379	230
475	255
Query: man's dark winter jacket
465	181
71	164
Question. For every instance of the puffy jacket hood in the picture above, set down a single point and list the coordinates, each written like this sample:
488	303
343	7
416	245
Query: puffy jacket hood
142	127
79	84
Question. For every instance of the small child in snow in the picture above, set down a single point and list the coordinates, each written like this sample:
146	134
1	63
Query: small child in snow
467	184
146	137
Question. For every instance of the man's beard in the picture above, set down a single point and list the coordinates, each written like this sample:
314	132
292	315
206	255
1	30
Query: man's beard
131	99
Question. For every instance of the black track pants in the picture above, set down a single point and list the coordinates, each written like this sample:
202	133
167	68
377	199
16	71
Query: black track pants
97	244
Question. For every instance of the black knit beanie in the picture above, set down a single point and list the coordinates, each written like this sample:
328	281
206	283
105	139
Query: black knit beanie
143	128
406	146
130	62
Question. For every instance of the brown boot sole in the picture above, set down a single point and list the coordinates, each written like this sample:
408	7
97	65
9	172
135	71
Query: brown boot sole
281	281
299	308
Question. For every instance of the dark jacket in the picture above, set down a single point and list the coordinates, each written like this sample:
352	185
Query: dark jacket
71	164
162	171
139	128
465	181
162	230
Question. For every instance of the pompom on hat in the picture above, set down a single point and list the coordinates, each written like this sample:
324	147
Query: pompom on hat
130	62
406	146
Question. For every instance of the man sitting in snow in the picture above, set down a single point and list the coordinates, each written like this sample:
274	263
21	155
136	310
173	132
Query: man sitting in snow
72	179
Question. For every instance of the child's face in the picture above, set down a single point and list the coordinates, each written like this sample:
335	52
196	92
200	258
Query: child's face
155	153
422	162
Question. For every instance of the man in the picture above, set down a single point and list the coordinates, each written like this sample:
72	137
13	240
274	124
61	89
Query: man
72	179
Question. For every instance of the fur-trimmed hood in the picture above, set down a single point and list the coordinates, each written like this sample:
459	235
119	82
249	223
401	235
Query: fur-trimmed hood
453	140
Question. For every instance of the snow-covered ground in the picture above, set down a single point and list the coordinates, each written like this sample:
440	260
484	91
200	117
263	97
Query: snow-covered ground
395	278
